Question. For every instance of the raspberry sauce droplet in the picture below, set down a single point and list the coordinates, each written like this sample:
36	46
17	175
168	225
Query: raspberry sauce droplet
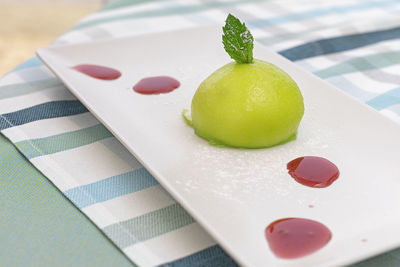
291	238
98	72
313	171
156	85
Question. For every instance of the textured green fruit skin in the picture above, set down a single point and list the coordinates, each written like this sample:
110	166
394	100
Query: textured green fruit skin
247	105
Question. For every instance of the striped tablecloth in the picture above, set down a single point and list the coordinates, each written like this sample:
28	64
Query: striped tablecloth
353	44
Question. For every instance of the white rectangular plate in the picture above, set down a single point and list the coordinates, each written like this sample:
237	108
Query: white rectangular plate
236	193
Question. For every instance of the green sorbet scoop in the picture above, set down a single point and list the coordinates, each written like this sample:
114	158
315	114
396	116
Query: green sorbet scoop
248	103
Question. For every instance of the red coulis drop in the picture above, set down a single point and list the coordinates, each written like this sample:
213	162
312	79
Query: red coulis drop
156	85
291	238
98	72
313	171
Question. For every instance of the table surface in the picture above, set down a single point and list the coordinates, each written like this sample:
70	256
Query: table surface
40	227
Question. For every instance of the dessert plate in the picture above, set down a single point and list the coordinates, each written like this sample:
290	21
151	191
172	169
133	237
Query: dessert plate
236	193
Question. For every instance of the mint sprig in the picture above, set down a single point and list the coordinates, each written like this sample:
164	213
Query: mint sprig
237	40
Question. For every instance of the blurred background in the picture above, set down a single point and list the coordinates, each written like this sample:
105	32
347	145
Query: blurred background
26	25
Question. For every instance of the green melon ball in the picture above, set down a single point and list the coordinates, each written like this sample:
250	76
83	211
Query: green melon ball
248	106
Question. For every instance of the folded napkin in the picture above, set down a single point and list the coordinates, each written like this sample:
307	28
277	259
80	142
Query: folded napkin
352	44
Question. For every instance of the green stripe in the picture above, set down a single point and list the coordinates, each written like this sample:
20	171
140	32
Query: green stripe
57	143
18	89
376	61
176	10
148	226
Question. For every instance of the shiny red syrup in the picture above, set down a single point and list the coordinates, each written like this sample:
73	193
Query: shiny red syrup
98	72
313	171
291	238
156	85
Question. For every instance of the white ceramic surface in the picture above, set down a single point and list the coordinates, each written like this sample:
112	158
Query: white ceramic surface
236	193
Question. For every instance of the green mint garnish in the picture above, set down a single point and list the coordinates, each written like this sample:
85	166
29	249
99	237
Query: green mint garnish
237	40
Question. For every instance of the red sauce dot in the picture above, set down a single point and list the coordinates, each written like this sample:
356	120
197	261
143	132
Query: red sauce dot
291	238
313	171
311	206
98	72
364	240
156	85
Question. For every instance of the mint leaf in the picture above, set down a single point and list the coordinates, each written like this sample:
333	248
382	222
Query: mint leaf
237	40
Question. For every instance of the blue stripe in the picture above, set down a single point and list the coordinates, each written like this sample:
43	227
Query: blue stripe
47	110
385	100
210	257
341	10
110	188
32	62
339	44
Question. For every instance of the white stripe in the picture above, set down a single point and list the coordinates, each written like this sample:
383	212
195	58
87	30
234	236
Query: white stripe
121	11
269	9
21	102
367	84
72	37
393	70
115	146
84	165
56	173
50	127
263	11
146	26
210	16
172	246
390	114
129	206
318	63
140	8
27	75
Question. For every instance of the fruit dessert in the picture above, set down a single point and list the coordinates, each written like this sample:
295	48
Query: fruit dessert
247	103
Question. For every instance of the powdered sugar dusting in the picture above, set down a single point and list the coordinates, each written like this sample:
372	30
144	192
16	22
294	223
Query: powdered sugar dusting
244	175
